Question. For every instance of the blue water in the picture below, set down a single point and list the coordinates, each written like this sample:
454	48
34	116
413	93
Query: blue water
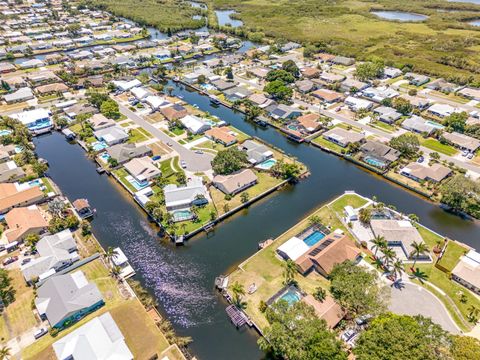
5	132
137	185
290	296
99	145
400	15
41	124
180	215
313	238
435	124
224	18
475	23
36	182
105	157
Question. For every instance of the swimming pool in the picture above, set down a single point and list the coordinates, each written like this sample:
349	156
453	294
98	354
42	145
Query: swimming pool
434	124
36	182
4	132
207	87
99	145
104	157
291	296
267	164
292	127
182	215
375	162
314	238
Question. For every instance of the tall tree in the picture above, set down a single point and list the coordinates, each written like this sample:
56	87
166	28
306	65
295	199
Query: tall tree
418	249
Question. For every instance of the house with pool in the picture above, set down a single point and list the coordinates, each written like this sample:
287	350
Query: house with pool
37	121
179	199
378	154
141	171
111	136
256	152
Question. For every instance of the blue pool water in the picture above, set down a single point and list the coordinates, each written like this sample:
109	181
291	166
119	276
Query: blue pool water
374	162
41	124
207	87
291	296
137	185
313	238
181	215
400	15
267	164
434	124
36	182
5	132
99	146
104	157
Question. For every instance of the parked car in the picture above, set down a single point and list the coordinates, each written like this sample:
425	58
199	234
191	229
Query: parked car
348	334
198	152
183	164
464	152
420	159
363	319
156	157
26	260
10	260
39	333
470	156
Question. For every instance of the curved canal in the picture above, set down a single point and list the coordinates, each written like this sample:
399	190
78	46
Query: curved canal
182	278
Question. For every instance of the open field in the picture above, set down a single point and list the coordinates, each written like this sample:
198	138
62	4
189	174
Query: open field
437	146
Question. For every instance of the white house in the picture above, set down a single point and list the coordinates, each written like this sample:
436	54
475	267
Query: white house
292	249
37	121
356	104
194	124
126	85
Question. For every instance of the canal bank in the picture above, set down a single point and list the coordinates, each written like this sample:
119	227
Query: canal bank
182	279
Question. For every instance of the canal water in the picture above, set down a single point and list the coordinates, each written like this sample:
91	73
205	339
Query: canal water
182	278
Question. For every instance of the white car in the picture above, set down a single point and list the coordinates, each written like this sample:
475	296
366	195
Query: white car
39	333
464	153
470	156
348	334
183	164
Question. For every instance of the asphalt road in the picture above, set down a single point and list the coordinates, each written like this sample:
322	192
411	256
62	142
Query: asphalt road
195	162
416	300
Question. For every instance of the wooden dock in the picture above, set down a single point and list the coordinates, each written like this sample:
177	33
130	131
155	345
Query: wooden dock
236	316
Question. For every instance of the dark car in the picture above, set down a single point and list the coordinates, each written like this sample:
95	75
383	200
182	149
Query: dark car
10	260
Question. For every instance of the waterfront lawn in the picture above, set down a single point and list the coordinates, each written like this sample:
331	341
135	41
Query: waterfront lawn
122	174
353	200
452	254
383	126
141	334
186	227
321	141
437	146
239	135
265	269
48	185
265	183
409	182
18	317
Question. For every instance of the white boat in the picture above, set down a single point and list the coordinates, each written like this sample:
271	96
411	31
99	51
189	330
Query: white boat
121	260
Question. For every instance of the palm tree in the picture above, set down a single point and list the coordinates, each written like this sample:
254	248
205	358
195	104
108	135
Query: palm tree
378	242
473	313
289	271
238	291
320	294
420	275
388	255
397	268
414	218
110	254
419	248
5	353
115	272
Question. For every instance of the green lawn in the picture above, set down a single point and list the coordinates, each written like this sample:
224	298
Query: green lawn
138	135
320	140
452	254
353	200
437	146
383	126
122	174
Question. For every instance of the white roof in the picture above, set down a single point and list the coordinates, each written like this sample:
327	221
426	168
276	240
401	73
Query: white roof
194	123
474	256
156	101
358	103
127	85
294	248
443	109
121	258
27	117
139	92
100	338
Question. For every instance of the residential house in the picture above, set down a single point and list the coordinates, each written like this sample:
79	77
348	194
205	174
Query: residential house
156	102
342	60
356	104
37	121
470	93
31	63
222	85
256	152
223	135
127	151
442	85
391	72
305	86
462	141
335	248
260	100
235	183
6	67
309	122
416	79
379	94
98	339
11	196
283	112
65	299
99	122
292	249
399	234
142	169
6	152
311	72
79	109
23	221
55	253
123	85
419	125
443	110
326	309
416	101
174	112
467	271
387	114
194	124
22	94
328	96
331	78
236	93
343	137
353	85
112	135
378	154
10	172
259	72
421	172
182	197
55	88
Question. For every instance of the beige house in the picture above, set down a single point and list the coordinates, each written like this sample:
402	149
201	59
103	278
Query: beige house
234	183
24	221
142	169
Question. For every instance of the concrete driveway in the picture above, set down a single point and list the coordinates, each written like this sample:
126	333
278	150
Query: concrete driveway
195	162
416	300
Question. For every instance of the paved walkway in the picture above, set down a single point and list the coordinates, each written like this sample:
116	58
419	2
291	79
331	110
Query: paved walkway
195	162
